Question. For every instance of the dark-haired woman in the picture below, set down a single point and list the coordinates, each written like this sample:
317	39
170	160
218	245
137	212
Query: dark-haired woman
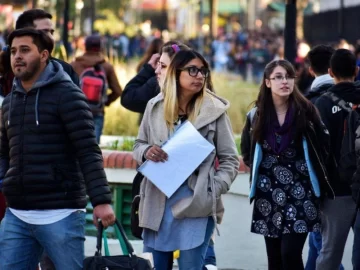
286	146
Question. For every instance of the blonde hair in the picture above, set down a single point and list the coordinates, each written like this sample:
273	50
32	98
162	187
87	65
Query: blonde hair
170	89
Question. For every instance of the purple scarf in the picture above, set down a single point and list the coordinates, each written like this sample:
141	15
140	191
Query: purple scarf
285	131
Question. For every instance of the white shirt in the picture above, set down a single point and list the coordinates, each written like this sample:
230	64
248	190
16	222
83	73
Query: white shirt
43	217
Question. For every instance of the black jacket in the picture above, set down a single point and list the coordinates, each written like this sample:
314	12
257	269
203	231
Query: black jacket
333	118
143	87
69	70
316	92
49	157
318	142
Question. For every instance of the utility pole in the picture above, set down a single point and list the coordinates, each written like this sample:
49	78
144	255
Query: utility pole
341	20
65	34
290	31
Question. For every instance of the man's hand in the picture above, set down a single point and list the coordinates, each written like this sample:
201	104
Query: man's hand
154	60
105	213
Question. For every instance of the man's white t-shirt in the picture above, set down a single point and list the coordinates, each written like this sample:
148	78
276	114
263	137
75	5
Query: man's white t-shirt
43	217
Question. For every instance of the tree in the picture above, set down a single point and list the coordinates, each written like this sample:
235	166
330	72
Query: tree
115	6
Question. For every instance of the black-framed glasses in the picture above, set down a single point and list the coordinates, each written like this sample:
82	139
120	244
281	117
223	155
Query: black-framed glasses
194	71
280	78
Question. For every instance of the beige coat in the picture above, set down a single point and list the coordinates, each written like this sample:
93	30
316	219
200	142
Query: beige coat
207	183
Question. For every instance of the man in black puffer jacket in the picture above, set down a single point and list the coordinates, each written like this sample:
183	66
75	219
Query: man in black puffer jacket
49	160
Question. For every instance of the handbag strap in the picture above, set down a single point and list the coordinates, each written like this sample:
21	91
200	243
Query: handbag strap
121	235
106	245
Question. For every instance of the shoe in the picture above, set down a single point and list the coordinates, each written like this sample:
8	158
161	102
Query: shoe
211	267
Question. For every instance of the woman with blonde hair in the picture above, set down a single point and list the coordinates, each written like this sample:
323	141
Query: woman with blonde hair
186	220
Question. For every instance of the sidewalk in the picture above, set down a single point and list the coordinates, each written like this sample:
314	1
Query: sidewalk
236	248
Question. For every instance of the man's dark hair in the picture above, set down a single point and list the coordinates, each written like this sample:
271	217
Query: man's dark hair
319	58
40	38
343	64
27	18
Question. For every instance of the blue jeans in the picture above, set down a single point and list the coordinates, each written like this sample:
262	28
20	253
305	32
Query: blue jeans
99	125
315	244
210	257
356	245
22	244
192	259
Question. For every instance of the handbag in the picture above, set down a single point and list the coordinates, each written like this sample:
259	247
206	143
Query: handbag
136	230
117	262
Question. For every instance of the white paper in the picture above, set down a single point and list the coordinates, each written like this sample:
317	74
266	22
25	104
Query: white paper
186	149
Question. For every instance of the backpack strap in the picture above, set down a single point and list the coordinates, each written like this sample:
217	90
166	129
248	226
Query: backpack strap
340	102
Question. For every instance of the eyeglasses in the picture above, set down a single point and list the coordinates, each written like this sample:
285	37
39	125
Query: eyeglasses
280	78
194	71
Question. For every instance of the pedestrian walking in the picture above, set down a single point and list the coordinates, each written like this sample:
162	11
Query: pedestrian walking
338	215
285	145
145	86
168	226
97	76
49	161
319	61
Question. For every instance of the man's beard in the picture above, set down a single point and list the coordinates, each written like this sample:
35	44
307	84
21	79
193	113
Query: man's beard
30	72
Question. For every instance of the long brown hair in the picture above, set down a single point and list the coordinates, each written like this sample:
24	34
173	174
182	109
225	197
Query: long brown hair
154	47
305	111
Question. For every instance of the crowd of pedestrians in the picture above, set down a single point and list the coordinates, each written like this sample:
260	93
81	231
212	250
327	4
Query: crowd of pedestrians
301	142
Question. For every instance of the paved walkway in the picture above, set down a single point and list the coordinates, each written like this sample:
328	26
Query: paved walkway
236	248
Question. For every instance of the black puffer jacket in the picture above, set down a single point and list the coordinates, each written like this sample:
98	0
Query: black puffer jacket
48	144
143	87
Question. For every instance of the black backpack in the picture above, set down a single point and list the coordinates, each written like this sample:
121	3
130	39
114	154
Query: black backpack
347	163
94	85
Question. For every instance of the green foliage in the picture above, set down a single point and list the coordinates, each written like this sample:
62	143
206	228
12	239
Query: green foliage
238	142
119	121
60	52
126	145
110	22
240	95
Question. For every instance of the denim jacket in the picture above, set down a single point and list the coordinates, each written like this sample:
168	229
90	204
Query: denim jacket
257	161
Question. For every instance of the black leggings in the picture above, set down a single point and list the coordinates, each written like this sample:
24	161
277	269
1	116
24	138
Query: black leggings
285	252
